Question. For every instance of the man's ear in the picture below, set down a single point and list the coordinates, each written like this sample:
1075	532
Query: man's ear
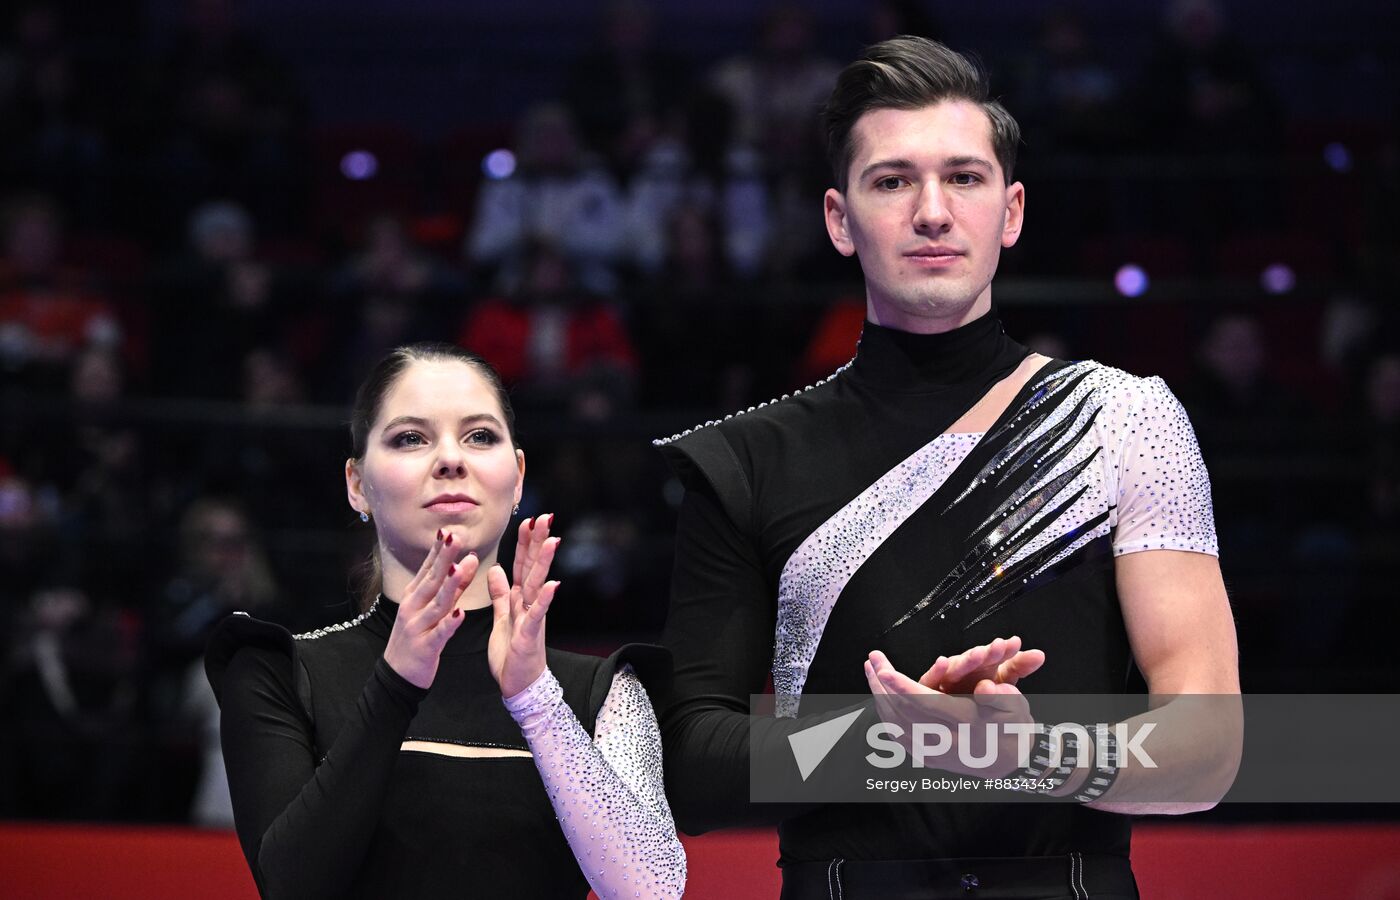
834	206
1015	213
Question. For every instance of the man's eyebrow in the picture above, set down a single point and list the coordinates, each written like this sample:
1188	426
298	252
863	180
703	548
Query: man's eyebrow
895	164
904	165
961	162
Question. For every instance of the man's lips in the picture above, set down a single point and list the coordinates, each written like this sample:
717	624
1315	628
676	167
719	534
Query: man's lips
935	257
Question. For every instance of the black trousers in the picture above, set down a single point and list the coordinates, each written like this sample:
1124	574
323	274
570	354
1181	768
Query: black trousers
1074	877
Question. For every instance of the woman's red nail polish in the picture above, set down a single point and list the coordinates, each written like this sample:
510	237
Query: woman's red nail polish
452	569
456	613
439	534
448	540
531	522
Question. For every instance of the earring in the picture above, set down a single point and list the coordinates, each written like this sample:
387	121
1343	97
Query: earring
364	516
515	510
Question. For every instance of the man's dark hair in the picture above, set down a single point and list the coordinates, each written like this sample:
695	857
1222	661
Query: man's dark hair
908	72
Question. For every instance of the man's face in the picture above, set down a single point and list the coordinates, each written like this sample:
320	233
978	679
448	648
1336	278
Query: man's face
927	211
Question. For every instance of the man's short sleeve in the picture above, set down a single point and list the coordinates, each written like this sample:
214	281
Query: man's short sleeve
1162	486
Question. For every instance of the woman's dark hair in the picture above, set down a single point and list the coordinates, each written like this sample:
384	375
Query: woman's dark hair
369	399
385	374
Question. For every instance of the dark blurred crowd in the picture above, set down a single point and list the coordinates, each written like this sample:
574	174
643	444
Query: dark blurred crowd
195	271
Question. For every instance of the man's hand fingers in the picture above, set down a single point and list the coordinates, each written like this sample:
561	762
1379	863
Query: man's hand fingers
1019	666
935	674
873	680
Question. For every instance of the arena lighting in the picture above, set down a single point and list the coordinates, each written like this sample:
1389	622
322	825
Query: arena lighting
498	164
1337	156
1277	279
1131	280
359	165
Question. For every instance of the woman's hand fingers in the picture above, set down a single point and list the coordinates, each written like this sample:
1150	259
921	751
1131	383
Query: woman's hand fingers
538	571
528	548
431	577
522	545
454	582
531	623
428	562
499	588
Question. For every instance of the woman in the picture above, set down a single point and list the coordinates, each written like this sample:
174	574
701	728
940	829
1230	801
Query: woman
375	758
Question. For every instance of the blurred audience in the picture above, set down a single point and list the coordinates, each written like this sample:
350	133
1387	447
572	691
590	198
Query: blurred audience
49	312
557	345
648	255
228	114
1205	89
215	300
552	191
622	91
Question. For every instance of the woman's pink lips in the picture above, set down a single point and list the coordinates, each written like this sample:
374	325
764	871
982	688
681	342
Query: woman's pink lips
449	507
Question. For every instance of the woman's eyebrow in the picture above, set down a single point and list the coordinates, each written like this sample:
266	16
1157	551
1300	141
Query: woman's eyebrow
423	423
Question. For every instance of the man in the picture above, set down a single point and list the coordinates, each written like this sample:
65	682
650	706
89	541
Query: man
945	489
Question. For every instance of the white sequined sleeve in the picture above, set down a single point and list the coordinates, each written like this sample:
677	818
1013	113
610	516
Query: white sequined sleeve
1163	489
607	791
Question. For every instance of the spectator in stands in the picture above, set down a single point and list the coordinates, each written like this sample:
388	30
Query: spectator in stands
390	262
48	312
1232	396
98	464
1071	95
891	18
69	746
390	293
1205	89
228	117
558	194
558	345
221	568
50	114
775	92
622	92
696	175
215	303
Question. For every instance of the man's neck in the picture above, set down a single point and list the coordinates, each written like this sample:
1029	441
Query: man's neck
888	316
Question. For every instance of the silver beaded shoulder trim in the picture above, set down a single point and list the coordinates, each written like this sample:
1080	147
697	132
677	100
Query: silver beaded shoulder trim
340	626
661	442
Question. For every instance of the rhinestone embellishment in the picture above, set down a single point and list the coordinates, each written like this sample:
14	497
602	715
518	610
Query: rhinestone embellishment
340	626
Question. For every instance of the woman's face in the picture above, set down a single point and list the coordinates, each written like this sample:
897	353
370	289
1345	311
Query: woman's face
438	456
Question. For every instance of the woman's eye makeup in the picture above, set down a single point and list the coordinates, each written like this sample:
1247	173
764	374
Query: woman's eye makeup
480	436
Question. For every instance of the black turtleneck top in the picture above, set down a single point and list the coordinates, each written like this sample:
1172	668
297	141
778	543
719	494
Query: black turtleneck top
792	499
327	802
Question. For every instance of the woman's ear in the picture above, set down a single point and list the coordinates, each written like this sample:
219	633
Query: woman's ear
354	488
